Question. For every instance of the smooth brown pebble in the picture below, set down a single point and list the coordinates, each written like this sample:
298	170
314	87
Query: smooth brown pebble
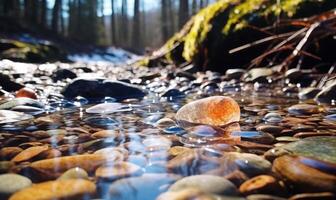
60	189
29	153
118	170
314	196
263	184
7	153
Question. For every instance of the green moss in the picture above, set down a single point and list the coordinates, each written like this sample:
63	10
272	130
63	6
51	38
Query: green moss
226	24
240	11
27	52
202	26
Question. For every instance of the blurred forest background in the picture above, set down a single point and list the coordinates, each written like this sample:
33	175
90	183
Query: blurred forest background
135	25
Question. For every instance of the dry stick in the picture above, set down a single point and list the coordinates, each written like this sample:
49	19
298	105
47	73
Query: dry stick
300	46
270	38
296	34
326	77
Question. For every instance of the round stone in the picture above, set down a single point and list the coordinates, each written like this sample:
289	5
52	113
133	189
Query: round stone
216	111
74	173
29	153
26	92
250	164
118	170
319	147
60	189
262	184
306	174
206	183
11	183
303	109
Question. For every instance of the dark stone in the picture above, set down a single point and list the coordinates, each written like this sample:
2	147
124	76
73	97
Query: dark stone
99	88
8	84
172	93
62	74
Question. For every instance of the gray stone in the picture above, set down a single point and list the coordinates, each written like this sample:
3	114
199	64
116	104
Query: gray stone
250	164
148	187
207	183
320	147
11	183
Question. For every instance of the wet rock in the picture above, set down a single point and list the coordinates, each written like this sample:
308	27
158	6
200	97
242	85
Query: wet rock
26	92
6	166
286	139
7	153
173	93
314	196
106	134
53	168
263	197
273	117
28	110
320	147
60	189
51	153
272	129
327	94
177	150
22	101
185	194
216	110
118	170
206	183
8	84
304	109
29	153
254	136
164	123
235	73
106	108
258	75
306	174
193	162
11	183
148	187
157	142
98	89
62	74
74	173
7	116
250	164
262	184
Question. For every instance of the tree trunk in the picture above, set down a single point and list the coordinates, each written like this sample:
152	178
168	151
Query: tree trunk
164	20
183	12
27	10
55	15
171	28
143	23
34	11
124	23
136	37
43	14
194	7
113	25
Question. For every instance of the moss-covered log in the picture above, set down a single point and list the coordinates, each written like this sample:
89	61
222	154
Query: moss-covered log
208	37
31	52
